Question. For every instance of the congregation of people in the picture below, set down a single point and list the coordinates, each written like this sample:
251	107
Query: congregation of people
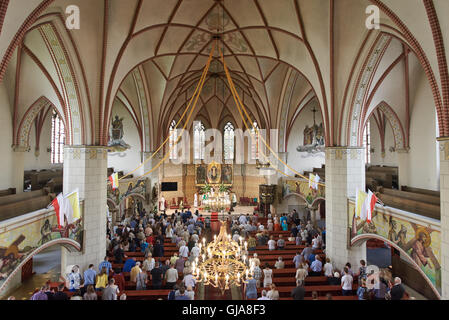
147	232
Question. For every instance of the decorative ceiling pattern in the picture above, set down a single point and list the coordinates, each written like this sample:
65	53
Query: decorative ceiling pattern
265	43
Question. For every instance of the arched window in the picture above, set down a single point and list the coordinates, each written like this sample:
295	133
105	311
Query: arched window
57	138
367	142
199	140
229	141
173	138
254	142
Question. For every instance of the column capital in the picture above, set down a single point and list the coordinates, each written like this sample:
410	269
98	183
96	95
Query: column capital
86	147
80	152
344	153
403	150
345	148
18	148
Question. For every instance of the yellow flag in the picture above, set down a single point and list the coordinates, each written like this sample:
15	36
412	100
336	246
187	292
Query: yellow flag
73	198
360	200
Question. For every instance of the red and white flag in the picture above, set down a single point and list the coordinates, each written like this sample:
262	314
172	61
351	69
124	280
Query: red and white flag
59	203
67	206
113	178
370	205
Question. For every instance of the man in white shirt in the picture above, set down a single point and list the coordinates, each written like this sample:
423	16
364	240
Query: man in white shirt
346	283
271	244
279	264
184	251
242	219
171	276
195	252
236	237
328	268
315	243
254	260
189	281
264	295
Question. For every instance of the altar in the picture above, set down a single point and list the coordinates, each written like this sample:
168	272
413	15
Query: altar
216	201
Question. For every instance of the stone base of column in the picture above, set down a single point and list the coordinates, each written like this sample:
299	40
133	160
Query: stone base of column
345	174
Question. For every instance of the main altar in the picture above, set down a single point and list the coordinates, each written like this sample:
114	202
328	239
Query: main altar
214	180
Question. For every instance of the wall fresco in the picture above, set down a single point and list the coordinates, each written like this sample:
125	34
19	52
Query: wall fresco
22	236
301	188
419	239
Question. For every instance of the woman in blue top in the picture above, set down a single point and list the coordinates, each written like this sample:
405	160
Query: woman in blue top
251	288
284	225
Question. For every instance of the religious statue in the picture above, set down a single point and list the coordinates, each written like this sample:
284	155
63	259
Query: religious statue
117	143
162	204
313	141
308	135
117	128
195	201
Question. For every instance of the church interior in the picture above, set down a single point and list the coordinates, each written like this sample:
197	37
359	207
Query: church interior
271	150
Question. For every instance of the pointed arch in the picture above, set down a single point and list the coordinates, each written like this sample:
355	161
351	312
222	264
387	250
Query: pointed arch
400	139
22	138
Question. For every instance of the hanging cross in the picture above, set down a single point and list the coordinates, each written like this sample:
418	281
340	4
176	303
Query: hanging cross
314	110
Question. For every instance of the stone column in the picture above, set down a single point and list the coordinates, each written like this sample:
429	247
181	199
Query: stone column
403	165
345	174
85	169
18	168
444	198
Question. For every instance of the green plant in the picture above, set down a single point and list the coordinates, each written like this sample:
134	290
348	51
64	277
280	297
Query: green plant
223	188
206	188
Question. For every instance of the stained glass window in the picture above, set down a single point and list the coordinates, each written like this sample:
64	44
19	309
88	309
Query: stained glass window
173	138
199	140
229	141
57	139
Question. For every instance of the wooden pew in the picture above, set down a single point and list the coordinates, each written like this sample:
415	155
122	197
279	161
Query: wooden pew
23	203
421	191
7	192
322	290
425	205
55	185
40	179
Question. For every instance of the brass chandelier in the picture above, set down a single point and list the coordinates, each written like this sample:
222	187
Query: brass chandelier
222	263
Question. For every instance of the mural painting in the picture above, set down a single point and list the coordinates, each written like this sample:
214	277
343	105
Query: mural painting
227	174
200	173
19	240
421	241
126	188
301	187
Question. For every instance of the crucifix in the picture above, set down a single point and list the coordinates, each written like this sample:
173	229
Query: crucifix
314	110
